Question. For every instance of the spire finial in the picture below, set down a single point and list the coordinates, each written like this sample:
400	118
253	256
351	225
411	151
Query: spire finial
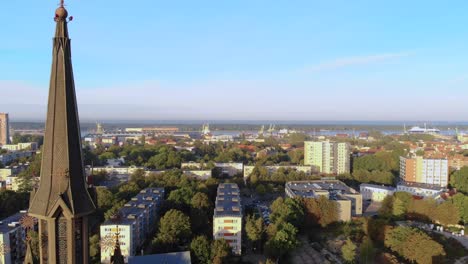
61	13
62	3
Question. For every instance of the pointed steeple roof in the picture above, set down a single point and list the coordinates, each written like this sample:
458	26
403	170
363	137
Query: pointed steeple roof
117	257
28	259
62	174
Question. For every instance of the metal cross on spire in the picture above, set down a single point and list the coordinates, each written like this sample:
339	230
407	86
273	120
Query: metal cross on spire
62	4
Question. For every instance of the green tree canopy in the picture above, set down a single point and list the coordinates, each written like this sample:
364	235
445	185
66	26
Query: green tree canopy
459	180
201	250
174	228
254	228
348	250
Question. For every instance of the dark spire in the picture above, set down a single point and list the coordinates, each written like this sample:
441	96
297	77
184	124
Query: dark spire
117	258
62	173
62	202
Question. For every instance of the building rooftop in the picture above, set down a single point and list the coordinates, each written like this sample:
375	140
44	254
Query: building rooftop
389	188
310	189
168	258
228	201
11	222
421	185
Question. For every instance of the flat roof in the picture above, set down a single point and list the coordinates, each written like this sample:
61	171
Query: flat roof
228	202
311	189
421	185
389	188
11	222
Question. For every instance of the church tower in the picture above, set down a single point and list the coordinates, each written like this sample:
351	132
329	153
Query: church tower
62	202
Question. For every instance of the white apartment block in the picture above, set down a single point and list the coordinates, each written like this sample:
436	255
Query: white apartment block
227	218
12	237
375	192
134	223
21	146
327	157
435	171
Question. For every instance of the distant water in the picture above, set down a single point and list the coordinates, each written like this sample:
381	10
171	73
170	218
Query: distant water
350	133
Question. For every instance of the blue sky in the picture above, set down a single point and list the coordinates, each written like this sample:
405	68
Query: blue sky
243	59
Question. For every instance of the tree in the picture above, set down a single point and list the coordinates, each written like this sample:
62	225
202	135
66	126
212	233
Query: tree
220	251
367	251
105	198
94	248
287	210
459	180
181	196
11	202
320	211
413	244
201	250
260	190
283	241
447	213
348	250
200	201
401	203
461	203
174	228
254	228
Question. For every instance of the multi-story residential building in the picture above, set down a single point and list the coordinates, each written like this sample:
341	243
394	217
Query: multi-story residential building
274	168
4	129
133	224
227	218
114	170
375	192
420	189
21	146
13	156
427	171
226	168
12	170
327	157
12	237
198	174
349	200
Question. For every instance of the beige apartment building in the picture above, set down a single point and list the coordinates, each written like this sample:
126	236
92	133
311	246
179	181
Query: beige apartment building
227	218
327	157
349	200
4	129
427	171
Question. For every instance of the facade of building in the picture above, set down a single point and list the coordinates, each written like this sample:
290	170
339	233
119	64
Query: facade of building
227	218
12	170
426	171
327	157
230	169
349	200
13	236
375	192
14	156
198	174
21	146
135	221
4	129
420	190
274	168
62	202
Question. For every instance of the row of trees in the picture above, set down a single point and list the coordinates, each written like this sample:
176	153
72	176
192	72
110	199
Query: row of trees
414	245
402	205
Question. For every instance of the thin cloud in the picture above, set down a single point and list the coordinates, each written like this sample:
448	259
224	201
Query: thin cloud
355	60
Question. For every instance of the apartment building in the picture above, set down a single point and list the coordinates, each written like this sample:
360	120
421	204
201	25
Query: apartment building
133	224
375	192
12	237
227	218
4	129
427	171
21	146
274	168
327	157
349	200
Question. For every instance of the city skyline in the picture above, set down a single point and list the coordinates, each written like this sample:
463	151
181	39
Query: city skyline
245	61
